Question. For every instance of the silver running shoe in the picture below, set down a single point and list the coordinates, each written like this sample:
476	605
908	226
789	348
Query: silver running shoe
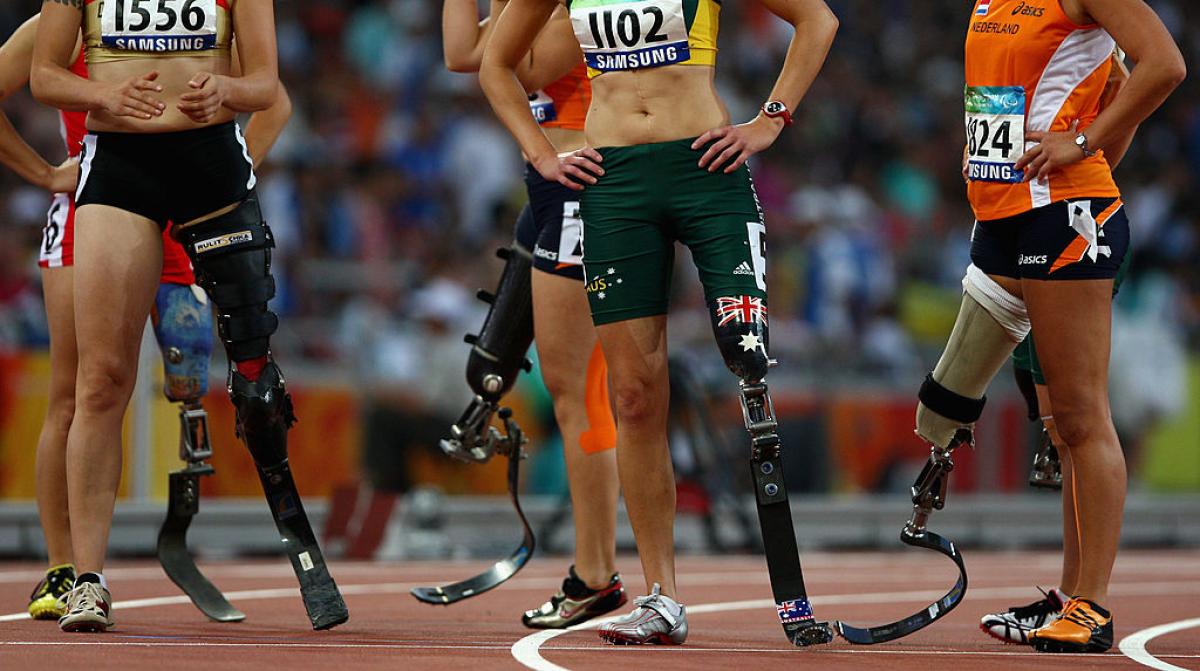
1014	624
89	608
657	619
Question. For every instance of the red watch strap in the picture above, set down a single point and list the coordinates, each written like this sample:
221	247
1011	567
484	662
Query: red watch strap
783	112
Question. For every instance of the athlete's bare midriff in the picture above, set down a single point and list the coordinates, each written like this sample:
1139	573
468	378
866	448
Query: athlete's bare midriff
174	73
565	139
653	105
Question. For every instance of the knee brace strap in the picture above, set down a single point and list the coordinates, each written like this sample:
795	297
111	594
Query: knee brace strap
231	254
1008	310
949	404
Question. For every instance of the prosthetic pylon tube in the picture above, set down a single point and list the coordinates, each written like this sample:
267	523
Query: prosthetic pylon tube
775	520
1047	468
510	445
928	494
183	504
497	357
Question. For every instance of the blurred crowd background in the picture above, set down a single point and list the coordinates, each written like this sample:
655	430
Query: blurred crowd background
394	182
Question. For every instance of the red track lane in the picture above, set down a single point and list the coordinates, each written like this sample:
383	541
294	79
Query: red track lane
390	630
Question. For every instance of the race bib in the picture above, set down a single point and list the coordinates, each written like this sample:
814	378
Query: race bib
630	35
158	25
542	107
995	132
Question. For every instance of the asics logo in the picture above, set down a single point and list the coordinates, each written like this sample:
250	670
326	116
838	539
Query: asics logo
1028	10
1032	259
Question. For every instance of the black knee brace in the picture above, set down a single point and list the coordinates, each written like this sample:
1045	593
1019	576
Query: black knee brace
498	352
740	327
231	255
949	404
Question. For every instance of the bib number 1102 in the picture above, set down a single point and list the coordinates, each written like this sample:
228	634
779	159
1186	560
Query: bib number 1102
626	26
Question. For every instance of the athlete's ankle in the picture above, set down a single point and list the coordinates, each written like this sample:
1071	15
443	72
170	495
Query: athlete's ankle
93	577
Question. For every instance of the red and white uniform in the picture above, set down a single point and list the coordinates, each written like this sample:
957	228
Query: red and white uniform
58	237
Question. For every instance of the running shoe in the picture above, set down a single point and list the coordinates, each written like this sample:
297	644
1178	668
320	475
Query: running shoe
1014	624
1083	627
657	619
47	600
89	608
575	603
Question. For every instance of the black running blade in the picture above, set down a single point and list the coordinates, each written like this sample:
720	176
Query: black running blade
324	603
173	555
924	618
500	571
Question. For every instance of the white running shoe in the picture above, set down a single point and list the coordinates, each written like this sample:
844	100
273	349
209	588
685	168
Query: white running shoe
89	608
1014	624
657	619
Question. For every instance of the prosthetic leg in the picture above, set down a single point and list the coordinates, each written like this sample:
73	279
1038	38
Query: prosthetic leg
497	358
742	338
1047	468
232	259
990	323
183	326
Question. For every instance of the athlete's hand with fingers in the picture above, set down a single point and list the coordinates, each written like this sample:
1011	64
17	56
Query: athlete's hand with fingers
1053	151
572	168
732	146
206	98
134	97
64	177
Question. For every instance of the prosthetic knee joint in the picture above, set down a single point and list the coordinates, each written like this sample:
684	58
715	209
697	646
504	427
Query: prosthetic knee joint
929	491
231	254
497	357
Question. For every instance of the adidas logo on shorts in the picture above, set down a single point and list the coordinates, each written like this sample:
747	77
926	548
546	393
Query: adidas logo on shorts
743	269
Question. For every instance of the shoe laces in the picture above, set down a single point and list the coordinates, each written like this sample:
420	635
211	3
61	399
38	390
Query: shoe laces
654	601
1039	607
84	597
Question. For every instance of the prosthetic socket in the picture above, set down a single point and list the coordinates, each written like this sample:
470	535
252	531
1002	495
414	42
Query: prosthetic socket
497	357
231	255
182	321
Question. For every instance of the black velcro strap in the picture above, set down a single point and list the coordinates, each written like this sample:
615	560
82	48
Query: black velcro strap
247	294
241	326
949	404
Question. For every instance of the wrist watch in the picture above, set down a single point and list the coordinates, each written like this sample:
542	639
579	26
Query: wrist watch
777	110
1081	141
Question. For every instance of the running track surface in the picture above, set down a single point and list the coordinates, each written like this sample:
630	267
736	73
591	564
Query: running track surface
733	624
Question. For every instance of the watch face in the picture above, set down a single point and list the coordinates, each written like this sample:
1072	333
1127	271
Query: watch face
774	107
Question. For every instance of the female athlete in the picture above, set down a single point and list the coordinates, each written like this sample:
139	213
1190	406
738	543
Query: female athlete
662	164
160	95
571	362
1050	236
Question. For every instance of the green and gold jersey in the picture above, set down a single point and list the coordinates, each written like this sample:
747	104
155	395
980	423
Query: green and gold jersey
637	34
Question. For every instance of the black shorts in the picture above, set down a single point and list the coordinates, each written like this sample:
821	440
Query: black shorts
550	227
165	177
1078	239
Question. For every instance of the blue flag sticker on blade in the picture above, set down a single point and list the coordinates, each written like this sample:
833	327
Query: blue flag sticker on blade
797	610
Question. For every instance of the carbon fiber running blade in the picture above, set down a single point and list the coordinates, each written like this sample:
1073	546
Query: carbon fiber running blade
172	549
500	571
324	603
917	621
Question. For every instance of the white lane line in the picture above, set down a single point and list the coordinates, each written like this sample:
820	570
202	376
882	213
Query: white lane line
527	650
1134	645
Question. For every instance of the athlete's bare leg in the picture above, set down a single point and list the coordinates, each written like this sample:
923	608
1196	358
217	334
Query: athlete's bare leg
565	339
1070	566
1072	326
51	470
637	363
118	262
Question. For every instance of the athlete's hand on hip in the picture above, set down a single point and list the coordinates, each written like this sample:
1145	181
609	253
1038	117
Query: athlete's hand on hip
64	177
573	169
736	143
1053	151
205	99
134	97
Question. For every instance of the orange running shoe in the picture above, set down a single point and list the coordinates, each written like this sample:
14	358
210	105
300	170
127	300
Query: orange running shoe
1083	627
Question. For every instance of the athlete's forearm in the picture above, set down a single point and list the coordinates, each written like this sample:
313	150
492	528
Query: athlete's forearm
554	53
257	87
50	79
1116	150
815	27
464	35
1160	68
21	158
514	34
253	92
264	127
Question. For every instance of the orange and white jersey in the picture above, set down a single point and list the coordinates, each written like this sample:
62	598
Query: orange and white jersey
1030	68
564	103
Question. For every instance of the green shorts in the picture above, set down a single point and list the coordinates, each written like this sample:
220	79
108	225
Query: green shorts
1025	356
651	196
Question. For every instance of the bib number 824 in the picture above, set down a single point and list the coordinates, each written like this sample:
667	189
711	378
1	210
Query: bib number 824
982	138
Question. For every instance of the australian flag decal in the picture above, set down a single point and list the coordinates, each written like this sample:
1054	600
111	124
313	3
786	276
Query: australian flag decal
794	611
